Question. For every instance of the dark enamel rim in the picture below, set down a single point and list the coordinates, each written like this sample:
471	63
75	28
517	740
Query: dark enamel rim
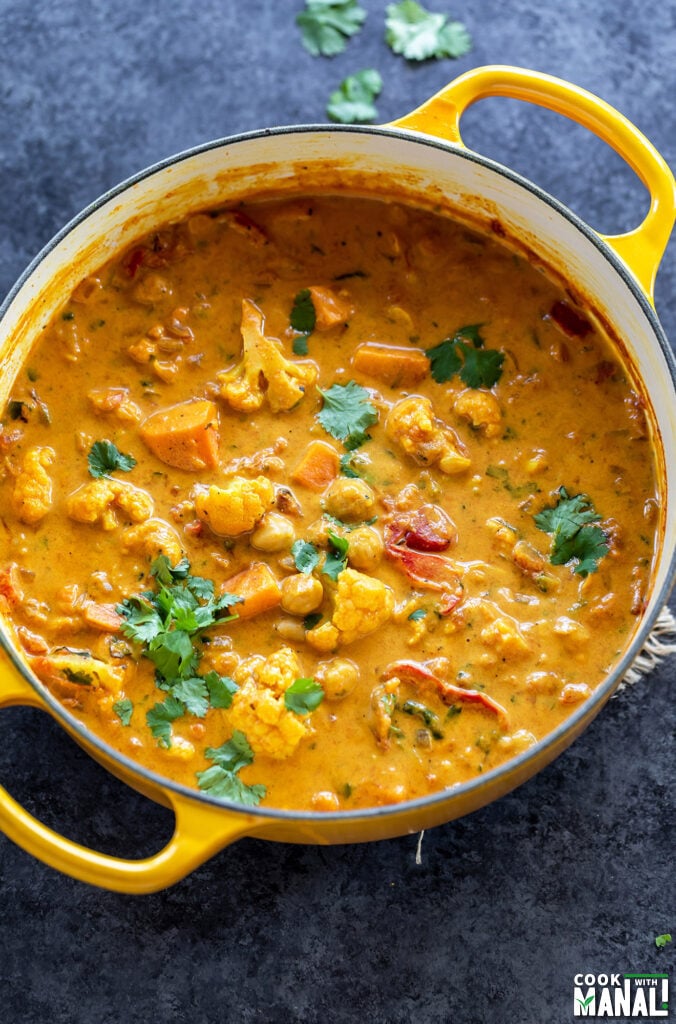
587	710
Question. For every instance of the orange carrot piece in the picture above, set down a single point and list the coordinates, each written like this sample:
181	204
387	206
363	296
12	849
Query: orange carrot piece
258	588
102	616
391	364
318	467
330	309
185	435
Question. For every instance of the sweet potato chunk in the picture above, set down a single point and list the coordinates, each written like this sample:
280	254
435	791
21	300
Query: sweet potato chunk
319	465
185	435
330	309
391	364
258	588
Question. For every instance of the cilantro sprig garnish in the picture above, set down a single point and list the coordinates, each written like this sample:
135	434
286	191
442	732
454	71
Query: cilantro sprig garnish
167	623
577	538
464	354
353	102
325	25
418	34
347	413
221	779
104	458
302	319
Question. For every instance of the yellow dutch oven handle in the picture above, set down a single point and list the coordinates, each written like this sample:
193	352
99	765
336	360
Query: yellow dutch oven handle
642	248
200	831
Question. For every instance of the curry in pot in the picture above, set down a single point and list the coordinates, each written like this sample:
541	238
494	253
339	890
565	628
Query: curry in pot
324	503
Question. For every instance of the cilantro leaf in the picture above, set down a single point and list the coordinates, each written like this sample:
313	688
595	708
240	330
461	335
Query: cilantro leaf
305	556
303	696
124	709
477	366
482	367
303	316
142	619
576	537
228	786
194	694
221	689
104	458
221	778
160	717
299	345
312	620
232	755
326	24
173	654
353	101
662	940
418	614
418	34
336	558
347	413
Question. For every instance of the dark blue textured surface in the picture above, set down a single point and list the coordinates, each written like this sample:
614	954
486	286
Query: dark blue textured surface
574	871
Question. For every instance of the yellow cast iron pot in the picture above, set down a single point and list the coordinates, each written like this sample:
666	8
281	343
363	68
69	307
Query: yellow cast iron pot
420	157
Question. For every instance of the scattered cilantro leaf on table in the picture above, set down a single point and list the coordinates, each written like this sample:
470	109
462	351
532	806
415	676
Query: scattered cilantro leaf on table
572	521
464	354
303	696
418	34
347	413
662	940
326	25
104	458
221	779
353	101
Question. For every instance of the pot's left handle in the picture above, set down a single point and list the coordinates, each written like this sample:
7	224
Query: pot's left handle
200	831
642	248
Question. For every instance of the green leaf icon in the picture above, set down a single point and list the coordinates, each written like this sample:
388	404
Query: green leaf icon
585	1002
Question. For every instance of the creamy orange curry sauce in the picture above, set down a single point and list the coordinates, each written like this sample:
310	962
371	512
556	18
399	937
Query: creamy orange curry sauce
323	503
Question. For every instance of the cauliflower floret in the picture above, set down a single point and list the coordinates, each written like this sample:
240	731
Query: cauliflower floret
363	604
264	372
413	425
235	508
153	538
98	500
32	496
258	707
481	409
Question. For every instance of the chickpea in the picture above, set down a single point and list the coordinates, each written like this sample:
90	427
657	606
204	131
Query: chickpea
366	548
318	532
274	533
349	499
291	630
337	677
301	594
325	800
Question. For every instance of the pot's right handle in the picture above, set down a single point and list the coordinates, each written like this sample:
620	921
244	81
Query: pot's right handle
642	248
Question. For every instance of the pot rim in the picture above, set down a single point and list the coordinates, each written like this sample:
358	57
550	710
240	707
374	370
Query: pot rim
586	710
